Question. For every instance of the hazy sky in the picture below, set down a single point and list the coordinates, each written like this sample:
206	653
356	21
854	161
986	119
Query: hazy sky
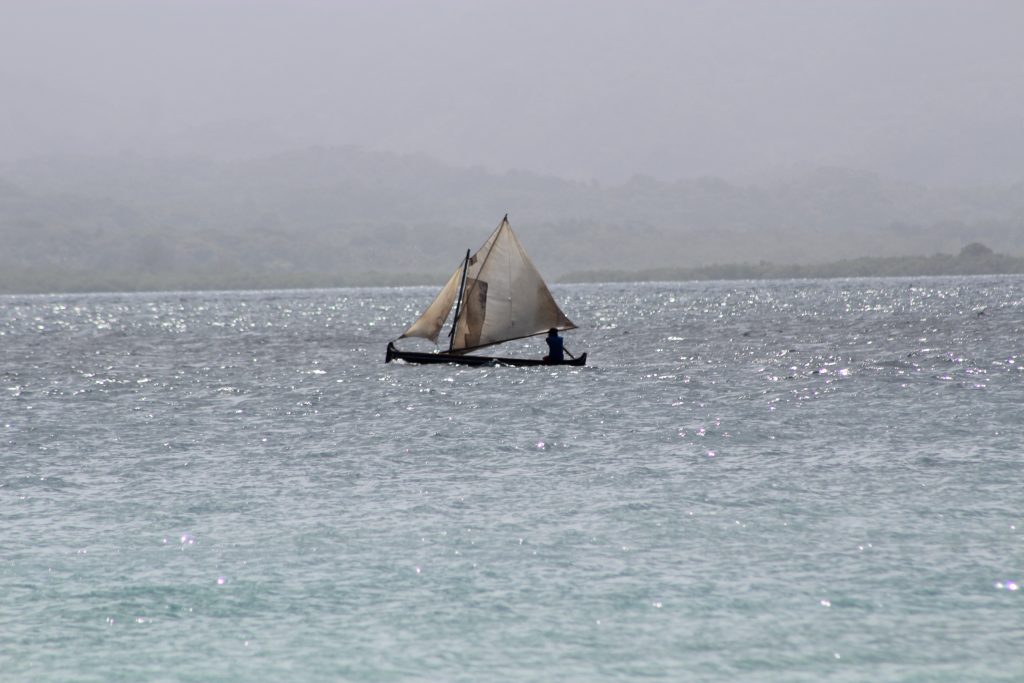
927	90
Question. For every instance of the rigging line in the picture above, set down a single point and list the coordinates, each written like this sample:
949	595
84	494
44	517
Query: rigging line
525	336
458	303
472	286
504	221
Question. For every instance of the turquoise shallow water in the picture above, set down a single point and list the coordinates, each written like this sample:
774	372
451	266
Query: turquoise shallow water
786	481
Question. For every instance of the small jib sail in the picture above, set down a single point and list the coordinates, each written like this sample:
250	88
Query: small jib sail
498	296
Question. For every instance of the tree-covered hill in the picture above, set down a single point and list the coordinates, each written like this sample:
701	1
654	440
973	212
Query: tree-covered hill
973	259
336	216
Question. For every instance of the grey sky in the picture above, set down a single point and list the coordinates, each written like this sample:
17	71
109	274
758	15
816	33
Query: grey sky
927	90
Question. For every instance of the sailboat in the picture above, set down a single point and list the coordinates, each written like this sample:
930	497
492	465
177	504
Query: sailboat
498	296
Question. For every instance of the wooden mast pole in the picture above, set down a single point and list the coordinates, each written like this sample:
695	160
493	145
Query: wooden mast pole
458	303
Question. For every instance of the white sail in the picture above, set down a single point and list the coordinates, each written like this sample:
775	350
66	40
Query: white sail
430	323
504	298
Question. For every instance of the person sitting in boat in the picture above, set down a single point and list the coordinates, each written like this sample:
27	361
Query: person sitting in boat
556	348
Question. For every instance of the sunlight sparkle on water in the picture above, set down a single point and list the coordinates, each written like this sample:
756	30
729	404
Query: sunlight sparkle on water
245	431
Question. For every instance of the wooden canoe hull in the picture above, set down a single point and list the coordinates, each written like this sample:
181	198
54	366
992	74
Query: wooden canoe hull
461	359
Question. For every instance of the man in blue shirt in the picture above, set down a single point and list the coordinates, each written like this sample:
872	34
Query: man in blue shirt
556	348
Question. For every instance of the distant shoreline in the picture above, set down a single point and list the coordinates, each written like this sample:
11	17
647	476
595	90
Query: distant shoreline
974	259
39	283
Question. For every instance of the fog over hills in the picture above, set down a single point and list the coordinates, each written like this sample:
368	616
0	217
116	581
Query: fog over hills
238	143
346	215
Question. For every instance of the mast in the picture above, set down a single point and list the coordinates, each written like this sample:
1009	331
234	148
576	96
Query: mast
458	303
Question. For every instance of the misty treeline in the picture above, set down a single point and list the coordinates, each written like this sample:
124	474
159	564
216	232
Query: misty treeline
973	259
347	216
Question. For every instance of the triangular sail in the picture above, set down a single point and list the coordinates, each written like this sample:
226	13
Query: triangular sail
504	298
430	323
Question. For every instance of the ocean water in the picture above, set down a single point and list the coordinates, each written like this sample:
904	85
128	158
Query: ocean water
782	481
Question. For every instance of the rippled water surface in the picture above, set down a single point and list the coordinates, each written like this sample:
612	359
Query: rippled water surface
786	481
